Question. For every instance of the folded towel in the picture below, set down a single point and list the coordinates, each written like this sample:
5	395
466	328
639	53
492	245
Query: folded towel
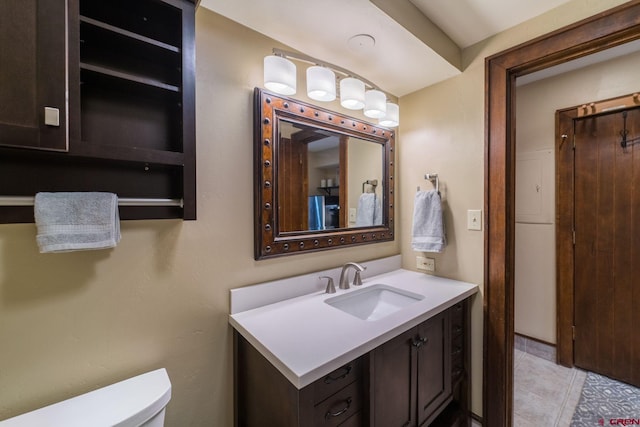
428	227
369	210
76	221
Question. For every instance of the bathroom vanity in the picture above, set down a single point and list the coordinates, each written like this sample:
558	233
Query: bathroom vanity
303	361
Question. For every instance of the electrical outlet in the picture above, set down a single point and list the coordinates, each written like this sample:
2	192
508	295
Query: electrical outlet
426	264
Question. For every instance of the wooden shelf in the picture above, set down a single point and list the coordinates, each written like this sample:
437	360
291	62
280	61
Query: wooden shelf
141	155
127	76
129	34
328	189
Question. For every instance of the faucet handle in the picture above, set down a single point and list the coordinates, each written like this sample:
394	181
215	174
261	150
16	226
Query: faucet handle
357	280
331	289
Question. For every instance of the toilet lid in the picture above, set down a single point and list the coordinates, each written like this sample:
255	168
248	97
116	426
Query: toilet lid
128	403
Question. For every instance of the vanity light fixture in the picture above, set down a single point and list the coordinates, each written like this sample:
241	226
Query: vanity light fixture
321	83
391	117
375	104
352	93
280	77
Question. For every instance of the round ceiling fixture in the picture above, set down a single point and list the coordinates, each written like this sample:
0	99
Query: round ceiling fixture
361	43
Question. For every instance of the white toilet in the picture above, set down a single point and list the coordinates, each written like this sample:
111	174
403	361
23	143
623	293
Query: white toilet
138	401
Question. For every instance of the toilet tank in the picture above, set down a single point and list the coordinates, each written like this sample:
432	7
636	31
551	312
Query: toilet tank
135	402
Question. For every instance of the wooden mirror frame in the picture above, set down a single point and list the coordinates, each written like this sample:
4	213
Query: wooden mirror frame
269	241
603	31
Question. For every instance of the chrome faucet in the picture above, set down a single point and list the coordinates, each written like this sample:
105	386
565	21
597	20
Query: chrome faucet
344	275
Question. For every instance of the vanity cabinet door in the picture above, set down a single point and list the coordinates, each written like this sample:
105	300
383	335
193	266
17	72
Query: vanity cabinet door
393	385
434	367
33	77
411	375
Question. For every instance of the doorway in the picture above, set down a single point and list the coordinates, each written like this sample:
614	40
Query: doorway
598	166
601	32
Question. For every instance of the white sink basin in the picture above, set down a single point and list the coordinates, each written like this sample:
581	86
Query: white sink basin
374	302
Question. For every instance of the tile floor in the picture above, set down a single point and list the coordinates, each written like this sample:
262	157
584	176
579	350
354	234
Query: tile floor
545	394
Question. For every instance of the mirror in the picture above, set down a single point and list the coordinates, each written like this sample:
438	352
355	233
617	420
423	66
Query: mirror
323	180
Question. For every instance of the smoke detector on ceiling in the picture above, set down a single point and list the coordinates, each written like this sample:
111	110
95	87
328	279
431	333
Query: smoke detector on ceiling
363	43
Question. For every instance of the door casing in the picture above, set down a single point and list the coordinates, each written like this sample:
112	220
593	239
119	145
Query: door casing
600	32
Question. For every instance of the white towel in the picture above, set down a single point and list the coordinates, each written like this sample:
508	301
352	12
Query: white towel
369	210
428	226
76	221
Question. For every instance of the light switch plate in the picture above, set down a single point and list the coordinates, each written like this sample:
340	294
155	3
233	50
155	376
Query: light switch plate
51	116
474	219
352	214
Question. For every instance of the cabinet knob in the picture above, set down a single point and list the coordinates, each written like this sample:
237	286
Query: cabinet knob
419	342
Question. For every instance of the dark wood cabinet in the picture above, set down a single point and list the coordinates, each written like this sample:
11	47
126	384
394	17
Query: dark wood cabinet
457	412
418	378
33	74
264	397
411	375
129	68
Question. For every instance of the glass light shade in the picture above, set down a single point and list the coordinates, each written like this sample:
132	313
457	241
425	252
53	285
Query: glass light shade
375	104
321	83
279	75
352	93
392	116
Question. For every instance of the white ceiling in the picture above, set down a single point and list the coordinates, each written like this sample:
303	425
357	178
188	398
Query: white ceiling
416	48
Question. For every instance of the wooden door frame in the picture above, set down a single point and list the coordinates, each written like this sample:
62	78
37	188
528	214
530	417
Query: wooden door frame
602	31
564	234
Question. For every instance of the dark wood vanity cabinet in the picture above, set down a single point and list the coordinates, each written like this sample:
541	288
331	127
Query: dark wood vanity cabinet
411	375
264	397
128	126
418	378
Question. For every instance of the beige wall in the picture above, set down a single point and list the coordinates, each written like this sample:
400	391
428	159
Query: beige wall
442	131
72	322
365	163
535	287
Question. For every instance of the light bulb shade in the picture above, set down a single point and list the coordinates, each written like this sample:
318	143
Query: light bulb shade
279	75
392	116
375	104
352	93
321	83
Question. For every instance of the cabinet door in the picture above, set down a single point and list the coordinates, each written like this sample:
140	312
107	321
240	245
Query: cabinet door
393	382
33	73
434	366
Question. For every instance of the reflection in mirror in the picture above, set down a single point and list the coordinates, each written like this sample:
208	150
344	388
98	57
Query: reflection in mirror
323	180
327	180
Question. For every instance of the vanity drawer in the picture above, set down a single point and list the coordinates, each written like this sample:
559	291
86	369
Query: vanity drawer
340	407
334	381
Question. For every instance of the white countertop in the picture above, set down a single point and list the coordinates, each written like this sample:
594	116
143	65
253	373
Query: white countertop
305	338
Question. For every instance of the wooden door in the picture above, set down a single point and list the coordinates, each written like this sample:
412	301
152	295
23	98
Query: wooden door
393	382
33	77
434	366
292	186
607	246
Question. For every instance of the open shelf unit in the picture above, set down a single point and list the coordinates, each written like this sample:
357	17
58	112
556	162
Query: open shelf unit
131	79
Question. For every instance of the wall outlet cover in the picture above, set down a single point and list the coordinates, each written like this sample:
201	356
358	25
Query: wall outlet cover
425	263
